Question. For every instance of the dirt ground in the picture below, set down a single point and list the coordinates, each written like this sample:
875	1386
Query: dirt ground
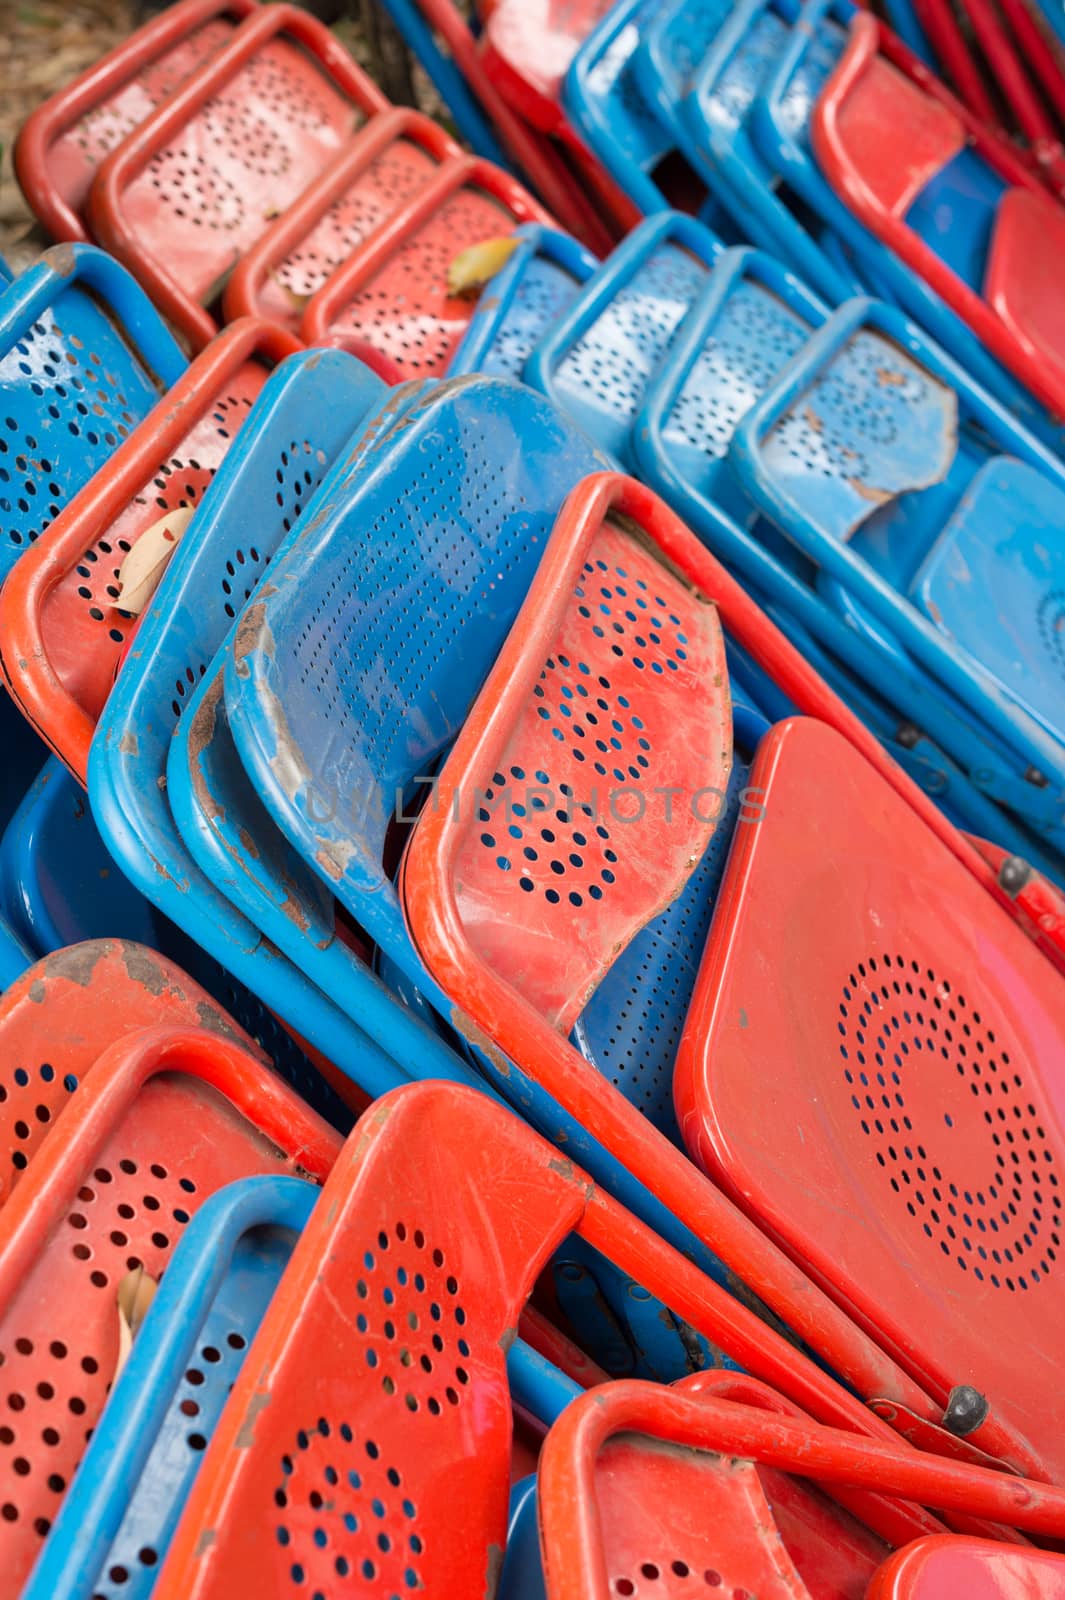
44	43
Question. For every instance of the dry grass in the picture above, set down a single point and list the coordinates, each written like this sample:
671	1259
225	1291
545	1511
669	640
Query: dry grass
43	44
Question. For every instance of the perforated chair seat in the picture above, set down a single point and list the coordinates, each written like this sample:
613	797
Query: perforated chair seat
378	172
61	631
392	295
994	581
908	1148
83	358
205	174
527	51
107	1193
62	142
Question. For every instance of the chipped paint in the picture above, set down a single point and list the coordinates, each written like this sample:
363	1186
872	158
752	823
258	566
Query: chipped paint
129	745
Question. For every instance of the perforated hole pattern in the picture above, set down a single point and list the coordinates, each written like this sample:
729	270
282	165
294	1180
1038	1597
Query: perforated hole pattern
405	310
1000	1224
735	89
543	292
1051	625
752	339
63	413
864	403
396	174
678	1581
107	124
30	1098
342	1507
613	362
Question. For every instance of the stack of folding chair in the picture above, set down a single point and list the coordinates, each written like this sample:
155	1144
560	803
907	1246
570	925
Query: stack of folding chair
532	956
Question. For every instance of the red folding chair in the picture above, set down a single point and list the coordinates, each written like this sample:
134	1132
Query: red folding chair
165	1117
391	294
674	1493
63	1012
910	1152
61	634
1005	66
514	959
1018	311
381	170
364	1447
941	1567
198	182
61	144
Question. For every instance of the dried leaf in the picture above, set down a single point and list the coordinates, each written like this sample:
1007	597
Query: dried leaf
136	1292
471	269
143	568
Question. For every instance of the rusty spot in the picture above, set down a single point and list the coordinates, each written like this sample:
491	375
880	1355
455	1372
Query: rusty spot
328	865
888	379
246	1435
247	843
143	966
469	1030
252	634
507	1338
62	260
493	1570
38	991
201	734
813	420
128	745
867	491
79	962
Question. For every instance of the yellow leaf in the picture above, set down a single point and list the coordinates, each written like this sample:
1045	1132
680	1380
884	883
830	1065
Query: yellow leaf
136	1292
143	568
471	269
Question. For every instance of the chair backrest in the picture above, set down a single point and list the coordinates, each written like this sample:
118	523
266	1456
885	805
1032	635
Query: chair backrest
116	1520
358	704
393	294
201	178
695	1490
920	1027
64	1011
107	1195
62	142
528	49
83	358
379	170
61	632
388	1301
540	280
597	358
305	416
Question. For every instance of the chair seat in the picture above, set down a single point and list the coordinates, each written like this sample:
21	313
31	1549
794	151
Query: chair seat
1023	282
907	1145
995	582
979	1569
924	135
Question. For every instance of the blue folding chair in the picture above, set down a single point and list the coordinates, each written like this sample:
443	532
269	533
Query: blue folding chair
329	677
780	128
302	420
220	818
885	464
596	359
542	277
606	104
84	356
